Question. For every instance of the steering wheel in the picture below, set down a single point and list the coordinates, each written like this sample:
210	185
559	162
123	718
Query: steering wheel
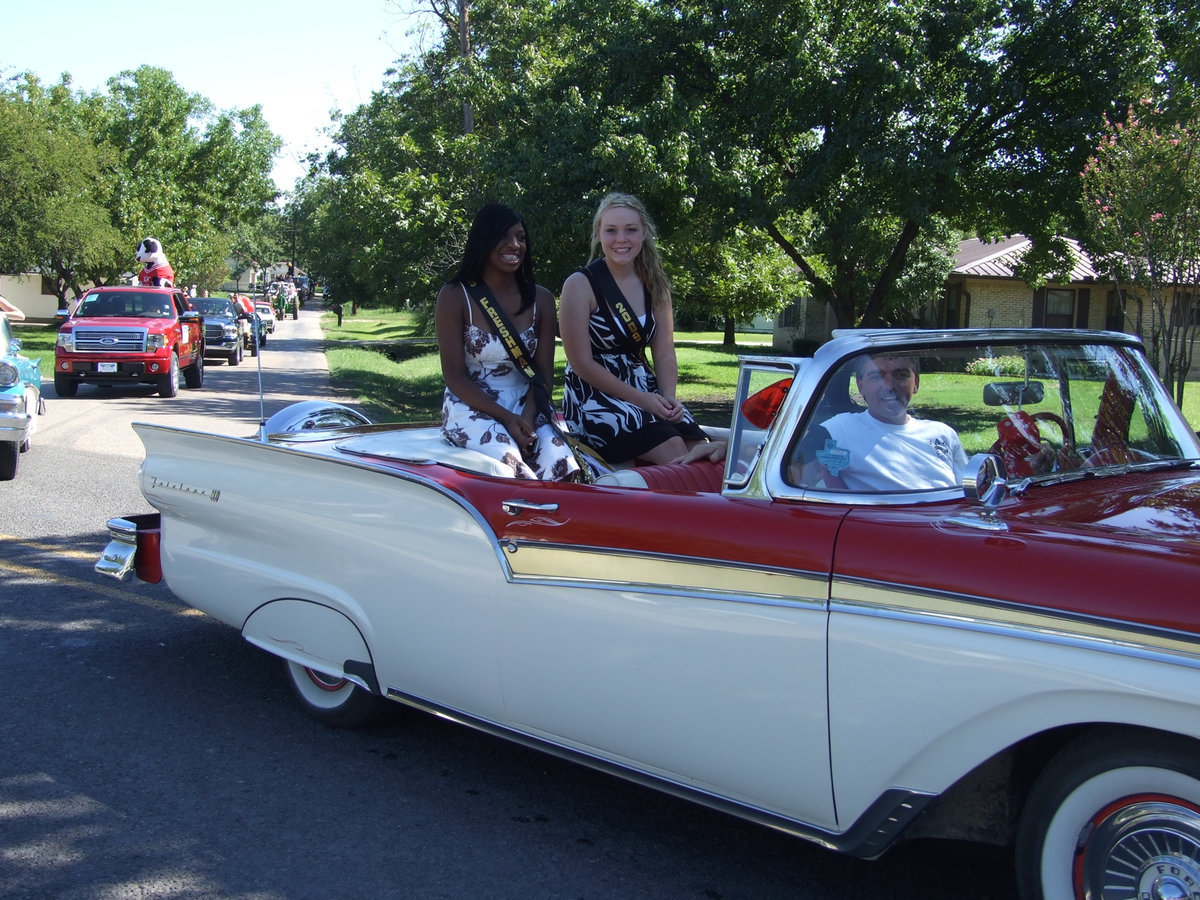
1016	449
1068	441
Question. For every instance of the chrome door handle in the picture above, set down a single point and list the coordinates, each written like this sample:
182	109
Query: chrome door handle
516	507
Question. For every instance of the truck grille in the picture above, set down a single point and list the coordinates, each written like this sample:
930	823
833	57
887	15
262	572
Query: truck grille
111	340
214	334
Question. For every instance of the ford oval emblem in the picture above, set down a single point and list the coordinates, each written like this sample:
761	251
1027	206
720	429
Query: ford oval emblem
108	341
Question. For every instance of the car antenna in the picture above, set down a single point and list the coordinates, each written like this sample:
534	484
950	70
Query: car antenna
255	324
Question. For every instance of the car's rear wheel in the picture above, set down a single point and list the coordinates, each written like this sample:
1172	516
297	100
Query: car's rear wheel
193	375
65	387
1114	816
168	384
9	455
334	700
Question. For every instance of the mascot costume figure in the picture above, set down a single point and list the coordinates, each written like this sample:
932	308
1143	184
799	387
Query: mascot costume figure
156	271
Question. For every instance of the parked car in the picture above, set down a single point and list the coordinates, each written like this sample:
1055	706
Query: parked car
1012	658
266	315
129	335
224	327
20	400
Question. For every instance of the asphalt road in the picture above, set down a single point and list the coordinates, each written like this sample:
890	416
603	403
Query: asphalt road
147	751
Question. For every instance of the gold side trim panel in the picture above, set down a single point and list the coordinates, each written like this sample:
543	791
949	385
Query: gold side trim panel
891	600
612	568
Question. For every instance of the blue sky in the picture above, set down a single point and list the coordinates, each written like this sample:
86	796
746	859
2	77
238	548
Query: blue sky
297	59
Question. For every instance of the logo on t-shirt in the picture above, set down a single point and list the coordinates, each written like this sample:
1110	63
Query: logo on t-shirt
833	457
941	446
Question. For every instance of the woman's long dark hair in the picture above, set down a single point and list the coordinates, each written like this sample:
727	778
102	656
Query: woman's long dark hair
491	223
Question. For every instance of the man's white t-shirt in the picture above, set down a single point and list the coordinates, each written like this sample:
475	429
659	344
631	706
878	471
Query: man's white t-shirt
870	455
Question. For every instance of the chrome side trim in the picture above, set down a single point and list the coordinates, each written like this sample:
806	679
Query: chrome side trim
867	838
866	597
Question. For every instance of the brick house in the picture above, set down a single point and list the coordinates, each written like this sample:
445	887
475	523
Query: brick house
983	291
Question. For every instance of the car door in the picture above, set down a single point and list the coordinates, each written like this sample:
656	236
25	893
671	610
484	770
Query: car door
190	335
679	634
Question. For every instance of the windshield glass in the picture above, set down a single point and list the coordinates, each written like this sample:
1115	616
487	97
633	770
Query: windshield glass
215	308
150	304
909	420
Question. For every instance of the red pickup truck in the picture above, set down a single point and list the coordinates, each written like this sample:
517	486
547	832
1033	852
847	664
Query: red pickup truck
130	335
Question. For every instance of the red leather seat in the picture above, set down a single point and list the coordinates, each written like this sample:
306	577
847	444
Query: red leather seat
703	476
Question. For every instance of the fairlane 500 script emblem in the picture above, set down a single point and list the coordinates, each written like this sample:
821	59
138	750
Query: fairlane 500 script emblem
212	494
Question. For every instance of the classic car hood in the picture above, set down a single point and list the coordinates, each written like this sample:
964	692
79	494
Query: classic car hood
1162	505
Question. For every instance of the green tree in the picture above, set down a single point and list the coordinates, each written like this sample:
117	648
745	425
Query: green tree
52	189
188	175
889	121
1142	199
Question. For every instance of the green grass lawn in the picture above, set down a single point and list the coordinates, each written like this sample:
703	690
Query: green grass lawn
406	384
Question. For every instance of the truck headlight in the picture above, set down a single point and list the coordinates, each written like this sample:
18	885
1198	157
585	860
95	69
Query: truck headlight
66	340
231	331
156	341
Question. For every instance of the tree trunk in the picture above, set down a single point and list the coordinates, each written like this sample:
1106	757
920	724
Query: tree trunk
730	339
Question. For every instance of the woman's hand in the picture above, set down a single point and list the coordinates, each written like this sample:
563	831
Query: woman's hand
667	408
713	451
519	429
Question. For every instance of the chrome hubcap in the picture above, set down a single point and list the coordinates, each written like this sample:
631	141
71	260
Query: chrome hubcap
1148	849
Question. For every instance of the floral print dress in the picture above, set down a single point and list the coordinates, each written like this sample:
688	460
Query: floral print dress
494	372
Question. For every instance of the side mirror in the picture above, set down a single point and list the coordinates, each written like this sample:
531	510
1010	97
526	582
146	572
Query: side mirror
985	480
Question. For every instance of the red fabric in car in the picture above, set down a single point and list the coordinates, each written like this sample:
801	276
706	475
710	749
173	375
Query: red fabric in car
702	476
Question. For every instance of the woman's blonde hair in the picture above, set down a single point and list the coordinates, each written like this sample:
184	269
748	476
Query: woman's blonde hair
647	264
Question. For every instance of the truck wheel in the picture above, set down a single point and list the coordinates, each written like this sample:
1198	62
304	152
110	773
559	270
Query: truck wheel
235	355
65	387
253	346
9	454
334	700
193	375
1113	815
168	385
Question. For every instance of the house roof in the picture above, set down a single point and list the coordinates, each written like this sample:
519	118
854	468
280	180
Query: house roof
997	259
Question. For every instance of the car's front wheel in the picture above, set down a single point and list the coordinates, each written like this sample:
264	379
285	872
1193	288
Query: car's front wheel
9	455
65	387
334	700
1114	815
168	384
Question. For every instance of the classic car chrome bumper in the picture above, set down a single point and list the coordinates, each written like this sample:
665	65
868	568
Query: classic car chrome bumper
15	427
132	549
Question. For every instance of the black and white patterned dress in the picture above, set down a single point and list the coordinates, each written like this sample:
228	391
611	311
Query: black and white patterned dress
615	428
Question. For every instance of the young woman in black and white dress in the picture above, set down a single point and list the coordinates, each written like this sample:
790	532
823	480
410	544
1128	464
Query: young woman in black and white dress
610	314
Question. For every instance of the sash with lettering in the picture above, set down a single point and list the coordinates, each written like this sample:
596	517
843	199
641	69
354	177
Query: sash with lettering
589	463
613	306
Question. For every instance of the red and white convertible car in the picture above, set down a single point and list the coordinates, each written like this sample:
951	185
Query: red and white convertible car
1014	658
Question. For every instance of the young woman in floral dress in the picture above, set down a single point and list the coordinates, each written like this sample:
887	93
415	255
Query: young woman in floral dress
490	405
